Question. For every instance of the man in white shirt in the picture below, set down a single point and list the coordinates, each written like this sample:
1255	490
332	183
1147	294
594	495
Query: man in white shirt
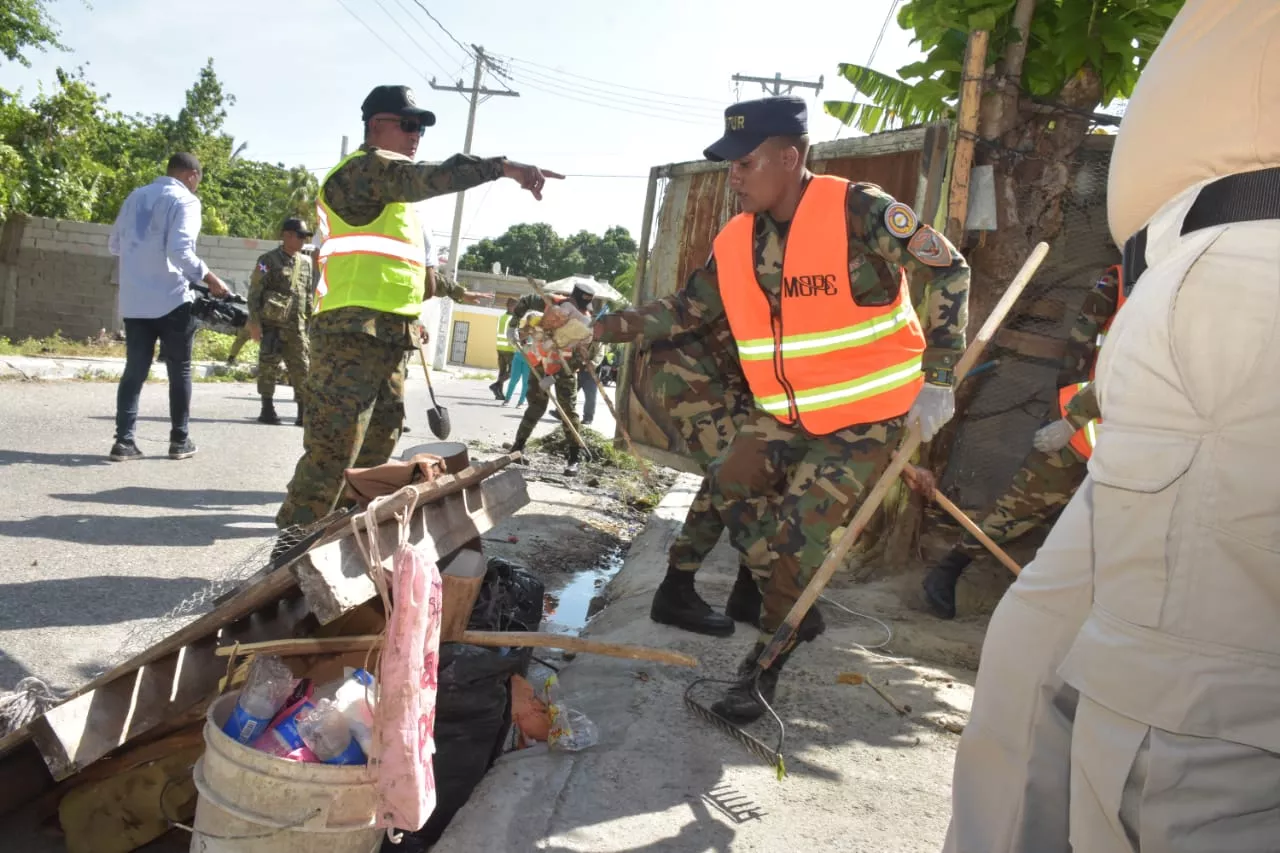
154	237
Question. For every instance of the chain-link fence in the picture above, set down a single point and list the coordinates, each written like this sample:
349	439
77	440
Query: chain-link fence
1019	393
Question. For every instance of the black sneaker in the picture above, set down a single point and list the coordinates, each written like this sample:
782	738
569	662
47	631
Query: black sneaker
184	449
124	451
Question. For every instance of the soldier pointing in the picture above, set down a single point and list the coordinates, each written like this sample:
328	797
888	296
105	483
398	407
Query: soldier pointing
374	278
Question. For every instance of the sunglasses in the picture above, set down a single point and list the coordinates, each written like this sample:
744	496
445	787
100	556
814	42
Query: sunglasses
408	124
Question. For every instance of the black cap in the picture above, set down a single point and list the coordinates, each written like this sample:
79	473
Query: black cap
750	123
297	226
394	99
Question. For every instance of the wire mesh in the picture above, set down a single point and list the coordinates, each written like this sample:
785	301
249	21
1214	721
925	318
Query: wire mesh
1019	394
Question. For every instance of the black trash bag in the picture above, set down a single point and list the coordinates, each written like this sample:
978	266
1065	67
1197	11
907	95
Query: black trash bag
473	706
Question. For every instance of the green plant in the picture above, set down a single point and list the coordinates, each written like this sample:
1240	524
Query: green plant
1112	39
215	346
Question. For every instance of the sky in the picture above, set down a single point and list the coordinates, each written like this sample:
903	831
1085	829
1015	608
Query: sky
606	88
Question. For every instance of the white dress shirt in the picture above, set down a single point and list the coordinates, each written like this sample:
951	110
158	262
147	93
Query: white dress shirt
155	237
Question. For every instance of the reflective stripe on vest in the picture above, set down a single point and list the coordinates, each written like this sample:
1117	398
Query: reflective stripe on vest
1085	438
380	266
823	360
504	322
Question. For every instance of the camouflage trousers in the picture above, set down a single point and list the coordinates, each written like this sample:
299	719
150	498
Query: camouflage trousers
810	487
566	387
706	436
1042	487
242	338
285	345
354	414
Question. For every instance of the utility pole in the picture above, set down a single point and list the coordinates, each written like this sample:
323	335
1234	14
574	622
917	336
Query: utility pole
777	82
344	147
475	91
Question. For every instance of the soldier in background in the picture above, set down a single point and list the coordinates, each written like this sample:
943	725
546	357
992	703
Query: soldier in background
1057	463
373	284
280	302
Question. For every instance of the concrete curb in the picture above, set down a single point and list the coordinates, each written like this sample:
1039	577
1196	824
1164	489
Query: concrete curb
39	368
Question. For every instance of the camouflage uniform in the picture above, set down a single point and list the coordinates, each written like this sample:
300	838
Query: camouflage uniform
1046	481
566	383
242	337
355	394
699	383
814	483
292	279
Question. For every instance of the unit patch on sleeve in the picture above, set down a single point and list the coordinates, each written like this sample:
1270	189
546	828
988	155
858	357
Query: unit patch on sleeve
900	220
928	247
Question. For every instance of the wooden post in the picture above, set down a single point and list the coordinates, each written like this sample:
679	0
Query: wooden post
638	297
975	62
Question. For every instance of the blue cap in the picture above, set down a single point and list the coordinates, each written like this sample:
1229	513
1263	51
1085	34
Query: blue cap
750	123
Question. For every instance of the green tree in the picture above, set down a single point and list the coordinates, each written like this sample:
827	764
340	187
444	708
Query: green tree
25	24
1050	65
537	250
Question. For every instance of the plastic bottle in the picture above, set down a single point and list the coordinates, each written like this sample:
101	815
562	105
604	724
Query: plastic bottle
355	699
325	732
266	688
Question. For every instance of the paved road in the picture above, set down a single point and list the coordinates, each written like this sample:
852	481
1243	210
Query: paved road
92	551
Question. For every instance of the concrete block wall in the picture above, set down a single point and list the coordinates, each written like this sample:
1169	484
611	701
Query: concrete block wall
57	275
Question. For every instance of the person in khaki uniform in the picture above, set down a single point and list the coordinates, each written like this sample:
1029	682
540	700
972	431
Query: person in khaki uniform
280	295
1129	695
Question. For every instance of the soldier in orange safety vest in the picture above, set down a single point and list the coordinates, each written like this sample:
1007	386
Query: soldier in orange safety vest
818	279
1057	463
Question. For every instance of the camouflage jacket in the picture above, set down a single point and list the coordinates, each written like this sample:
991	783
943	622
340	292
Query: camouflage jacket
936	272
274	274
1100	305
360	189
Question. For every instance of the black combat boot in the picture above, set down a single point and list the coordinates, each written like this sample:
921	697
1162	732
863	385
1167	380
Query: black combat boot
268	414
571	469
940	583
496	388
744	600
740	705
677	603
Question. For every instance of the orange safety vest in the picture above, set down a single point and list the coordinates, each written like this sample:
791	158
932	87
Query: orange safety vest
1086	438
819	359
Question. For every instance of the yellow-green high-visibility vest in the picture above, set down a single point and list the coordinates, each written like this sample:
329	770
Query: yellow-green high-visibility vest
504	322
381	265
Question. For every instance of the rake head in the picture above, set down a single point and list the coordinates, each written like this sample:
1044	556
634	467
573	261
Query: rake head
771	756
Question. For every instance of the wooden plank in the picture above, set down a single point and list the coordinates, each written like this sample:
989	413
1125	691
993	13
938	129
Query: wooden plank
1028	344
333	576
975	61
84	729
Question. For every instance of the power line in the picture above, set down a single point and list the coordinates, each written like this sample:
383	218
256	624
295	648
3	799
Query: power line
465	50
884	28
636	100
556	71
609	106
429	57
378	36
417	22
777	81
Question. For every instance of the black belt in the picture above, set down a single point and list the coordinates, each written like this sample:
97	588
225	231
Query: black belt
1246	197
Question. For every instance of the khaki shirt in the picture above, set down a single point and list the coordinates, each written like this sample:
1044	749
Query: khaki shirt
1206	106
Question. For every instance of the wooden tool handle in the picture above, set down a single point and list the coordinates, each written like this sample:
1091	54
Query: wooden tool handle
626	436
974	530
495	639
875	497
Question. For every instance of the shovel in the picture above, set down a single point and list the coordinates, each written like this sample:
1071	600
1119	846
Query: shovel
437	415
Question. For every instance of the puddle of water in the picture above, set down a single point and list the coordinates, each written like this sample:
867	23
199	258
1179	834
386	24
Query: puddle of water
568	609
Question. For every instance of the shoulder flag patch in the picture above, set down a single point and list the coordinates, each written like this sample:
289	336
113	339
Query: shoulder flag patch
900	220
262	267
928	247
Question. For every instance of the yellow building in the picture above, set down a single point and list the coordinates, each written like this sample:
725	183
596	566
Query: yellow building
473	336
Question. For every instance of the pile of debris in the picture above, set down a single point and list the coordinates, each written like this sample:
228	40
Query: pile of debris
111	766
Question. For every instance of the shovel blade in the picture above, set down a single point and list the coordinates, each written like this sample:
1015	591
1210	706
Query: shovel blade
438	421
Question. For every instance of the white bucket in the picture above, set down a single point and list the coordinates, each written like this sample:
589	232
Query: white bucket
252	802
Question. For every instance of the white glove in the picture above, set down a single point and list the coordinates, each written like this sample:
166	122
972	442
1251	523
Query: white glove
546	383
1054	436
934	406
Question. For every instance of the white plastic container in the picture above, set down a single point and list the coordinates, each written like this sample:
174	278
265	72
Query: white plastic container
252	802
